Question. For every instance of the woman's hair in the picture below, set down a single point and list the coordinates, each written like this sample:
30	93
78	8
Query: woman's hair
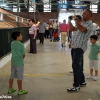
32	20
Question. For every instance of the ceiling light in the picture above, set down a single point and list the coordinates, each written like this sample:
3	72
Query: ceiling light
79	5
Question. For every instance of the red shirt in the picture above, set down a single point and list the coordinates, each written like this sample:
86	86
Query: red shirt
64	27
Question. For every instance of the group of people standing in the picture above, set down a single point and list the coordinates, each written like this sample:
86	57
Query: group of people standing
78	43
83	30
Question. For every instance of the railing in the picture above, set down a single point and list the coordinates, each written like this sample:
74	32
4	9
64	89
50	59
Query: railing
16	21
5	39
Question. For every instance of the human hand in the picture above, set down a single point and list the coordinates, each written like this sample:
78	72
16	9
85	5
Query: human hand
33	38
69	45
98	52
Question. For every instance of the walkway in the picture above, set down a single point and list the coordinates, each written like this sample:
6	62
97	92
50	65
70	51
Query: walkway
47	77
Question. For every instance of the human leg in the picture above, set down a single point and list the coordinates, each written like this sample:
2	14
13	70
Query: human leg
65	35
77	56
96	70
20	72
42	38
82	77
31	44
91	65
62	39
13	75
71	71
34	46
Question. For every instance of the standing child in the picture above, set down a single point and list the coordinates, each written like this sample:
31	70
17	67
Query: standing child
93	57
17	63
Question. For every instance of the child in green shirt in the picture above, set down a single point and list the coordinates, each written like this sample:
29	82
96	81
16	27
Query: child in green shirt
93	57
17	63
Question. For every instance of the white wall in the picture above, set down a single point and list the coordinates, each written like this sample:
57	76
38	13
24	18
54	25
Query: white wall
64	14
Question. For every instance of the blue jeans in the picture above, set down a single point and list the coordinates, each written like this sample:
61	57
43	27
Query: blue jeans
77	65
50	33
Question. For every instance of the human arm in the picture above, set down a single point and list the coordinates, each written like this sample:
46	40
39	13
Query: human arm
35	32
80	27
98	49
23	56
70	43
97	28
23	51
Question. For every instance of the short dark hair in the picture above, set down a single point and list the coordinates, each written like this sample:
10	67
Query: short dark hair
90	12
95	37
32	20
15	34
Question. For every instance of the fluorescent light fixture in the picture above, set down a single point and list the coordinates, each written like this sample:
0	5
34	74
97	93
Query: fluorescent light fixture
74	9
79	5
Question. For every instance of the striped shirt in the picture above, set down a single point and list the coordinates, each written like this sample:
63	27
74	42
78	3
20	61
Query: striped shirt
32	29
81	38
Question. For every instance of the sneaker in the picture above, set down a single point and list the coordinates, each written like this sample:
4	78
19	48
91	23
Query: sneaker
71	71
90	77
83	84
11	90
95	78
73	89
22	92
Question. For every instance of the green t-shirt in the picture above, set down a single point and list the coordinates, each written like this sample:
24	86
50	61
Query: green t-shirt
93	55
17	50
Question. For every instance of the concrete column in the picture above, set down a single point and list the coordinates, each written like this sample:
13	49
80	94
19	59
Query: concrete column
1	16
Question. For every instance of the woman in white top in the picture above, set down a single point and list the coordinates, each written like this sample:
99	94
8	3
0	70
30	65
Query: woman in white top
32	35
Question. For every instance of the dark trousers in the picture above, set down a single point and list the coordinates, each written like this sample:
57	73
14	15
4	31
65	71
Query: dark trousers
33	45
37	36
41	37
69	36
46	34
50	33
77	65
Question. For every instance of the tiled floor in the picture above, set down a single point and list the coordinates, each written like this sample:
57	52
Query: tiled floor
47	77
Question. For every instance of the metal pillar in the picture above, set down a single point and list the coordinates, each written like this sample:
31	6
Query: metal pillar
28	8
3	1
18	25
99	7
